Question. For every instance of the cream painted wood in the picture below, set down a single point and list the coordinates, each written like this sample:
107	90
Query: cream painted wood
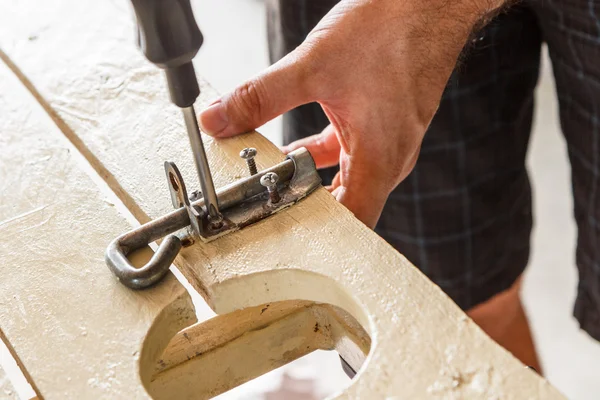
231	349
77	332
249	355
74	329
113	106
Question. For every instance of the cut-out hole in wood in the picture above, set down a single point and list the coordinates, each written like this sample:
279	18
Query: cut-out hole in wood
212	357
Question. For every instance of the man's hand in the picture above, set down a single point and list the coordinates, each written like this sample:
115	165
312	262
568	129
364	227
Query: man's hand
378	68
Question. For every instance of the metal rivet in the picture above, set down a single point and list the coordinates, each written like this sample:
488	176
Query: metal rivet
269	180
248	154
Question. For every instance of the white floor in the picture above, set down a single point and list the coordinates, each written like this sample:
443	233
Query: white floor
235	50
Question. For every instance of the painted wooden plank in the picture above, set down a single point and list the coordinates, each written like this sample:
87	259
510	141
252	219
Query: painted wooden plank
112	105
231	349
77	332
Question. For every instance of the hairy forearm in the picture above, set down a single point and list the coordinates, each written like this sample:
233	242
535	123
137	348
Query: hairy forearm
465	21
450	22
437	31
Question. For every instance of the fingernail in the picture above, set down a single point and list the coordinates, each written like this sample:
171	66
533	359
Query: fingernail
213	120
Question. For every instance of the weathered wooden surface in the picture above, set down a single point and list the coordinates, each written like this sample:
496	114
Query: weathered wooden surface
113	106
76	330
72	327
231	349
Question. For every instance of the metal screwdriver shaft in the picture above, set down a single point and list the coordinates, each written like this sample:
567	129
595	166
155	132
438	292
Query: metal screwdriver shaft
169	37
206	181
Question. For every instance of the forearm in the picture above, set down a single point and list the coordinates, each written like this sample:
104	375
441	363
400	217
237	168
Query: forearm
447	25
429	41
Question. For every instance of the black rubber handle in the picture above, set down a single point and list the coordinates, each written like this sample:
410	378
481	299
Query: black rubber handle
170	38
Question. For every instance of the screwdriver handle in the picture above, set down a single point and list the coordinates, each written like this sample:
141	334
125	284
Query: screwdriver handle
170	38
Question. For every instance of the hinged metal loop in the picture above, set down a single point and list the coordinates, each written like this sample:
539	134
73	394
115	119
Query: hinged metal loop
179	196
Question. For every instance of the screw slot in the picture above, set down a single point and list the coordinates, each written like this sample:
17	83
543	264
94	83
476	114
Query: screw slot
196	195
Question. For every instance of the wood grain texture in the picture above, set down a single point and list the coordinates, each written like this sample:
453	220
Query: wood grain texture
113	106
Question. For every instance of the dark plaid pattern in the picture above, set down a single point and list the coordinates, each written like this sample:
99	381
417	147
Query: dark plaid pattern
464	216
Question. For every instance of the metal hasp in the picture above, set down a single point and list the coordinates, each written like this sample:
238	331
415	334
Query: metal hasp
241	203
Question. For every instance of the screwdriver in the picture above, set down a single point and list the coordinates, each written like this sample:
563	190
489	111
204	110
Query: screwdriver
170	38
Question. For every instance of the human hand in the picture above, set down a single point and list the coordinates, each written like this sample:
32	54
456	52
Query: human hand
378	68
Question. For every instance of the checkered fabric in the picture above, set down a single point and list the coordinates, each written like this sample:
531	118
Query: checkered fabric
464	216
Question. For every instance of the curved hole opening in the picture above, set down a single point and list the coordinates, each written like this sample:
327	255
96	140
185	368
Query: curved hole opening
210	358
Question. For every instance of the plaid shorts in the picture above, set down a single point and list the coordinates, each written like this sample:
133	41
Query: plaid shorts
464	215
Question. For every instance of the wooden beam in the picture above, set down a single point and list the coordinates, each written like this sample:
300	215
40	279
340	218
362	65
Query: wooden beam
250	355
76	331
79	60
234	348
201	338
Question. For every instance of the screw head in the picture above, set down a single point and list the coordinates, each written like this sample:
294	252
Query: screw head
196	194
215	222
269	179
248	153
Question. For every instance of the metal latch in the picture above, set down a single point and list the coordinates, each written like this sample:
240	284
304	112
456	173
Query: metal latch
241	203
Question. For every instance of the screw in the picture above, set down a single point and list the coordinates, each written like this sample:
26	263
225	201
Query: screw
215	219
248	154
215	222
269	180
196	195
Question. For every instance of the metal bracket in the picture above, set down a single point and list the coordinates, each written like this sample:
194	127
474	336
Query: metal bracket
241	203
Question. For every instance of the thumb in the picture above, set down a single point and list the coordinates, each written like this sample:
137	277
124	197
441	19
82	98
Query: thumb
280	88
324	148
